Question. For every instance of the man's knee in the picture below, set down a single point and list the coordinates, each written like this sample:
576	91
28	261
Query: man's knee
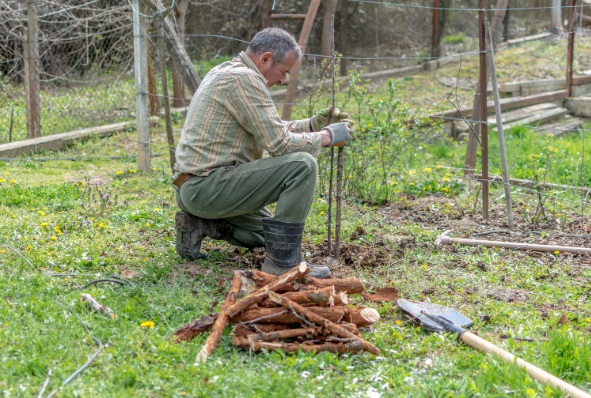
308	161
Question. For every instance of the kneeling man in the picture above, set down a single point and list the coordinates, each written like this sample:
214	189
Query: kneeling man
223	183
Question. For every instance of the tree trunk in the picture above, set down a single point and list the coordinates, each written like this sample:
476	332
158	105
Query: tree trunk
556	17
178	86
330	7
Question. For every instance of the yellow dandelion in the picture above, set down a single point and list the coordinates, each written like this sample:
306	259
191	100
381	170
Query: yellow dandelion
446	179
154	168
7	173
119	172
399	322
321	213
147	224
41	213
412	183
157	209
427	169
147	324
143	201
132	171
12	182
557	252
394	183
14	216
53	238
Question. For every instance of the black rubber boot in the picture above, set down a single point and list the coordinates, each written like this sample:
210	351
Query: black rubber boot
283	244
191	230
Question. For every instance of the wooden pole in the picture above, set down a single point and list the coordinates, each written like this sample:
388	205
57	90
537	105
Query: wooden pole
472	147
140	57
571	47
165	101
495	90
434	52
483	108
332	109
32	71
295	72
153	96
340	165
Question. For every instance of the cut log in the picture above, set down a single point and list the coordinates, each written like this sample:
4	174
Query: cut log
299	271
195	328
363	317
319	297
95	306
221	321
349	286
335	348
282	316
319	320
341	298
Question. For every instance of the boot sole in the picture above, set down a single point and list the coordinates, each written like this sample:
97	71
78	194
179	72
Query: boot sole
183	226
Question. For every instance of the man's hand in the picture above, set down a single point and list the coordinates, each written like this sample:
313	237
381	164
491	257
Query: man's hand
337	133
321	119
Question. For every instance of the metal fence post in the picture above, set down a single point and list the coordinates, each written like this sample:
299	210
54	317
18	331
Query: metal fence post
32	69
140	57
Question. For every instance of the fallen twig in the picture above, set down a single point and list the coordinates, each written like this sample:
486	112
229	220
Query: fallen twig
95	306
44	386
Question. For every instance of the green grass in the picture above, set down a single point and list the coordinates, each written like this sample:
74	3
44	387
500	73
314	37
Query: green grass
43	220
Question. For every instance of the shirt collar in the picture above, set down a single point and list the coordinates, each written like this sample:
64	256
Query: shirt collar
245	59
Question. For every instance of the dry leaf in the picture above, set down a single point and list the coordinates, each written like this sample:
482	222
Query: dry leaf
563	320
382	294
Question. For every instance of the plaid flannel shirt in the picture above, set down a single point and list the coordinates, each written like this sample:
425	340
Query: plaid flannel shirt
232	119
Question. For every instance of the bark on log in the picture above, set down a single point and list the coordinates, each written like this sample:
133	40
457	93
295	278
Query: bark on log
220	322
312	317
349	286
335	348
95	306
282	316
244	330
299	271
320	297
262	279
195	328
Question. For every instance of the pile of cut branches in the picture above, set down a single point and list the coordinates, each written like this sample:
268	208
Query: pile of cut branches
291	312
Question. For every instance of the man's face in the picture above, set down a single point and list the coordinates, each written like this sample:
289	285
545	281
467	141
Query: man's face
275	74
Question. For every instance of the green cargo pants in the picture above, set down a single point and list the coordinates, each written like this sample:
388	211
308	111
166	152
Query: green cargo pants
240	193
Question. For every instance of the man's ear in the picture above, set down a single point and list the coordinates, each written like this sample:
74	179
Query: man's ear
267	58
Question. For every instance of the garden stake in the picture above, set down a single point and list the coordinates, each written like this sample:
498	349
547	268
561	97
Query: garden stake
483	109
162	56
331	154
582	166
437	318
495	90
340	161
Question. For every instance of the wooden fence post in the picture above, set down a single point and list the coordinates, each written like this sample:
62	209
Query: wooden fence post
32	70
265	14
571	47
140	57
483	108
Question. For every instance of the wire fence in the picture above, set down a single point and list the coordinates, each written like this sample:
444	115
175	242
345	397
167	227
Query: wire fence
87	78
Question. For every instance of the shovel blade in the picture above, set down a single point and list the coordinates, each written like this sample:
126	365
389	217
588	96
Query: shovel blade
428	314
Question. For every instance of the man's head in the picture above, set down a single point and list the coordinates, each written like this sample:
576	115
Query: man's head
274	52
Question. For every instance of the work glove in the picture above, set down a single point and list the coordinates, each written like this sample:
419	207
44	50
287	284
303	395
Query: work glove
339	133
321	119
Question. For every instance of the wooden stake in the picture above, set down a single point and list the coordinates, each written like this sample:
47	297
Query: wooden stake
495	89
299	271
472	146
571	48
312	317
221	321
32	71
483	108
329	244
167	117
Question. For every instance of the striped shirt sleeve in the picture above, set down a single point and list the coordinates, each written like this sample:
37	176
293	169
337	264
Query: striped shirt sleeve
248	100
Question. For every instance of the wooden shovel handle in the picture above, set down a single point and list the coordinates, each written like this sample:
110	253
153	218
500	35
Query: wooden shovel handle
535	372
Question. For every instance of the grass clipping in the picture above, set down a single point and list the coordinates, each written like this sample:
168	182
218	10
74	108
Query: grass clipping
291	312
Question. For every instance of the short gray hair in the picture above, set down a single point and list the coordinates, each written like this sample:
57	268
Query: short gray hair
277	41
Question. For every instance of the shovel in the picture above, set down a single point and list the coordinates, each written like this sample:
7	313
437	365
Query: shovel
437	318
